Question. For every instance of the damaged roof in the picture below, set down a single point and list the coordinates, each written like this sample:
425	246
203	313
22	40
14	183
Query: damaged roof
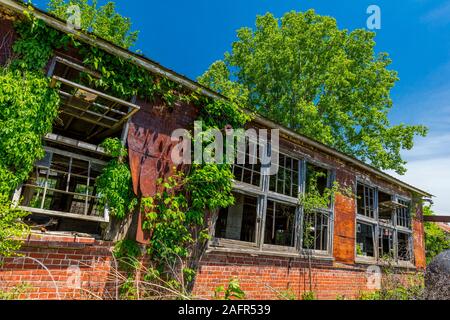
17	8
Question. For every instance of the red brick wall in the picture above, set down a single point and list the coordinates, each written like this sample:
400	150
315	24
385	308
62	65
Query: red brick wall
79	266
265	277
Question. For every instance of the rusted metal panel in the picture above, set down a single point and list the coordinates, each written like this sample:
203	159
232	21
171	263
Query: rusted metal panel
150	147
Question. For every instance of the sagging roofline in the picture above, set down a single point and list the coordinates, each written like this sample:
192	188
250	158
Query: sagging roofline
152	66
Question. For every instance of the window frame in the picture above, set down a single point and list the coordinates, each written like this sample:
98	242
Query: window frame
379	225
50	153
264	195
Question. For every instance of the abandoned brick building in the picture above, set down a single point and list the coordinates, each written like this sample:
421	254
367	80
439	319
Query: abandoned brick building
258	240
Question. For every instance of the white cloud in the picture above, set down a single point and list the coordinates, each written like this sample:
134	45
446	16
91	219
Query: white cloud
432	175
429	169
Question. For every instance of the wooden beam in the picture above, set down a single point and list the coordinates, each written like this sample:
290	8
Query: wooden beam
441	219
66	215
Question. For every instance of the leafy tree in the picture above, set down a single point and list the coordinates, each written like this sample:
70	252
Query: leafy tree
323	82
102	21
436	240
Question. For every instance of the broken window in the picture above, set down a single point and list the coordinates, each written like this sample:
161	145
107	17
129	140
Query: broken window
316	225
63	184
317	179
392	242
404	214
280	224
272	217
404	246
385	208
250	171
365	240
386	243
286	181
316	231
239	221
86	113
60	192
366	201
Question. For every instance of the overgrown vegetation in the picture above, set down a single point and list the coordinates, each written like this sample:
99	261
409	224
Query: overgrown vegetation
436	240
102	21
14	293
232	291
29	107
397	285
114	185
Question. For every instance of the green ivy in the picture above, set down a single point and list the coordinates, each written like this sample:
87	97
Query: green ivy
36	42
29	107
114	185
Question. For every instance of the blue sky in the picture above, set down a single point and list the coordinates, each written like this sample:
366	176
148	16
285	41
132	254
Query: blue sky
187	36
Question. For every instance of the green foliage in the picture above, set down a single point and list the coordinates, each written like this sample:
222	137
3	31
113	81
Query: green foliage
287	295
127	252
167	219
436	240
325	83
232	292
29	107
309	296
15	293
12	230
397	286
103	21
36	43
114	185
114	148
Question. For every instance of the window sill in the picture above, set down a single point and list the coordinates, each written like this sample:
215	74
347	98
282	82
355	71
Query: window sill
256	252
374	262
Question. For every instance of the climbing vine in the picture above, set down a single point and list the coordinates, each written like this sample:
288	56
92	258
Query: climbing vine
29	107
114	185
178	217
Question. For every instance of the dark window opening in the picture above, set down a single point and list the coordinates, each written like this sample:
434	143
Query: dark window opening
316	231
239	221
286	181
386	243
404	214
366	201
404	247
64	183
316	179
86	112
385	210
365	240
280	224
